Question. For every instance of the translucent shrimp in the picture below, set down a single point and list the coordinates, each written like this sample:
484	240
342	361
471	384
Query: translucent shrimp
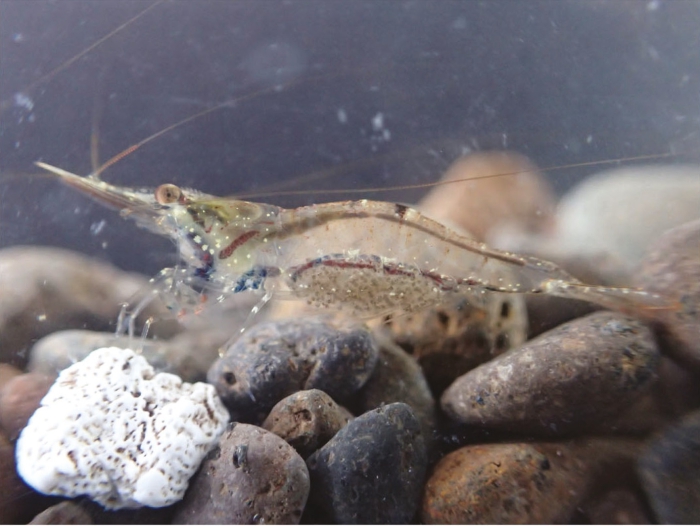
368	258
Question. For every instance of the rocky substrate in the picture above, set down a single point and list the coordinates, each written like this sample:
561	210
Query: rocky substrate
459	414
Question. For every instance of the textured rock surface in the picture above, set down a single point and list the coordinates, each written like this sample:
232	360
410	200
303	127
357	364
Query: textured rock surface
567	379
372	471
669	471
111	429
43	290
252	477
672	269
306	420
519	483
463	332
275	359
19	399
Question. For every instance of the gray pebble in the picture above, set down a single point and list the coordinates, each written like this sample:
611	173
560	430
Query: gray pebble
43	290
66	512
671	268
306	420
275	359
252	477
372	471
580	374
397	377
669	472
188	355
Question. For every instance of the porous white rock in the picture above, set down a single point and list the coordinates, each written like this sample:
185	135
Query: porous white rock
111	429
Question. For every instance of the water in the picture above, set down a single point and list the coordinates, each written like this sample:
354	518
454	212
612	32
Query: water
351	94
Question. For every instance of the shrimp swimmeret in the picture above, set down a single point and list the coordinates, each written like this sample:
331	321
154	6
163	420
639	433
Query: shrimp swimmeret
369	258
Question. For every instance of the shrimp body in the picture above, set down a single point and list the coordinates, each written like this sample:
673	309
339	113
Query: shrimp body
366	257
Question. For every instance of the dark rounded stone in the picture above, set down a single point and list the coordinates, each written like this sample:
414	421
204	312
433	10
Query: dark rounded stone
276	359
306	420
580	374
671	269
397	377
252	477
372	471
670	470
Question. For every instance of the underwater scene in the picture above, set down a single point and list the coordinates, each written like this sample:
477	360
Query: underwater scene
349	262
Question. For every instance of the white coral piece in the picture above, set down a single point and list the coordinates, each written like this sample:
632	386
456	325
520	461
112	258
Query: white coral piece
111	429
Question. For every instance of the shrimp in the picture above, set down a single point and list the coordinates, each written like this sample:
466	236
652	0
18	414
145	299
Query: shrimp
368	258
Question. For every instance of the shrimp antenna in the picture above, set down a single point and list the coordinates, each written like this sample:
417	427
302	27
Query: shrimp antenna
453	181
74	58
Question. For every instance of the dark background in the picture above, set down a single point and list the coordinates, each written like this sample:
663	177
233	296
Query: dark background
561	81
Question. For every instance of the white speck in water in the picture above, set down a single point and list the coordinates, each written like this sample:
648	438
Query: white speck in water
387	135
41	317
653	5
76	211
654	53
459	23
378	121
24	101
342	116
96	228
17	145
589	139
18	38
104	245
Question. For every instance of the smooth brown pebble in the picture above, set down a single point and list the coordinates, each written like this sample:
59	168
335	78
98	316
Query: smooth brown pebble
671	269
18	502
66	512
7	373
20	398
460	334
519	483
306	420
580	374
251	477
522	196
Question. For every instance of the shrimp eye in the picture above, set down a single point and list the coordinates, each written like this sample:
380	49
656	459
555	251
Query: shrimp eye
167	193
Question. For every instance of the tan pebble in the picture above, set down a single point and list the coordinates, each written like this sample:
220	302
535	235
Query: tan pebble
306	420
519	483
19	399
458	335
521	197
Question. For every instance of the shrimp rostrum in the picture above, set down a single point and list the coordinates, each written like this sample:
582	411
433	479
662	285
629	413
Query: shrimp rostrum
369	258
